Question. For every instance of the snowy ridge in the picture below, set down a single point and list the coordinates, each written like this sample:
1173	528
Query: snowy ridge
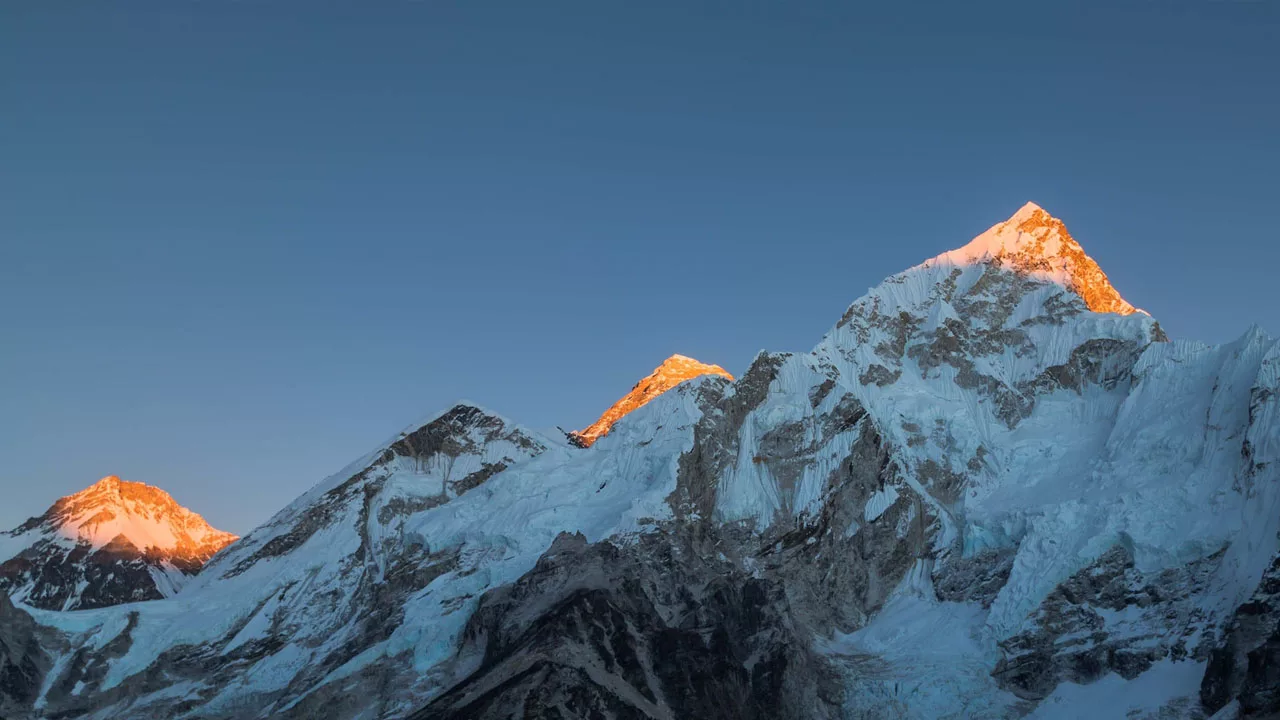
309	566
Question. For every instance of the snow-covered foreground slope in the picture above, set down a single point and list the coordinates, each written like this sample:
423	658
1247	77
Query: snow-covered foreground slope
111	543
994	489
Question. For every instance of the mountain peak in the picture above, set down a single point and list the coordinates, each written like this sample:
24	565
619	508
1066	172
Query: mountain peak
1034	222
1029	211
111	491
115	541
1035	243
113	484
110	482
689	367
144	514
670	373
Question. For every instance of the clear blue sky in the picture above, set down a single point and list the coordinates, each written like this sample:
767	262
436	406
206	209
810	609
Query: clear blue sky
241	243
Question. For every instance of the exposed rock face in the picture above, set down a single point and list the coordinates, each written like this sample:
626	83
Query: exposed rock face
23	663
1035	244
673	371
1108	618
992	490
654	630
114	542
1245	668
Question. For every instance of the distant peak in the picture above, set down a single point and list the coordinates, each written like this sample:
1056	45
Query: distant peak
145	514
104	490
112	487
673	371
115	541
690	367
1035	243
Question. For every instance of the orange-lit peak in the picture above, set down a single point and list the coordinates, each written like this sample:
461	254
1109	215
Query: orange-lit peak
143	514
1036	243
673	371
113	487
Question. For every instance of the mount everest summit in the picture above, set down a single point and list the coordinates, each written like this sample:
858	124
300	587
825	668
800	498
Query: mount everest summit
994	489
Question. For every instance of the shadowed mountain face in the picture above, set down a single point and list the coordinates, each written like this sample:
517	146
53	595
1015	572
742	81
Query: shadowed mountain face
994	489
656	630
114	542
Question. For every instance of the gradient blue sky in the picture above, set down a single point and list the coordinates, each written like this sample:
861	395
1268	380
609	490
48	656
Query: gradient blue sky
242	243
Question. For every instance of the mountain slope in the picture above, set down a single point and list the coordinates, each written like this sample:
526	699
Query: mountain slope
993	489
113	542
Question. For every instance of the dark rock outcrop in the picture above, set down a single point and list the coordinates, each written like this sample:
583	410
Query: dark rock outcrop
23	663
1245	667
654	630
1108	617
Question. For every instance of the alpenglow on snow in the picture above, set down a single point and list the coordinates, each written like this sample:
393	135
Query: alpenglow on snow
113	542
994	489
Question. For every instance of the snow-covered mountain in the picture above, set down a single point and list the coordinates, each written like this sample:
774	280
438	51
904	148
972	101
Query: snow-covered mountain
113	542
673	371
994	489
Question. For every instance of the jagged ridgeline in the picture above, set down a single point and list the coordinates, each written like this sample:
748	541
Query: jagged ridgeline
994	489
